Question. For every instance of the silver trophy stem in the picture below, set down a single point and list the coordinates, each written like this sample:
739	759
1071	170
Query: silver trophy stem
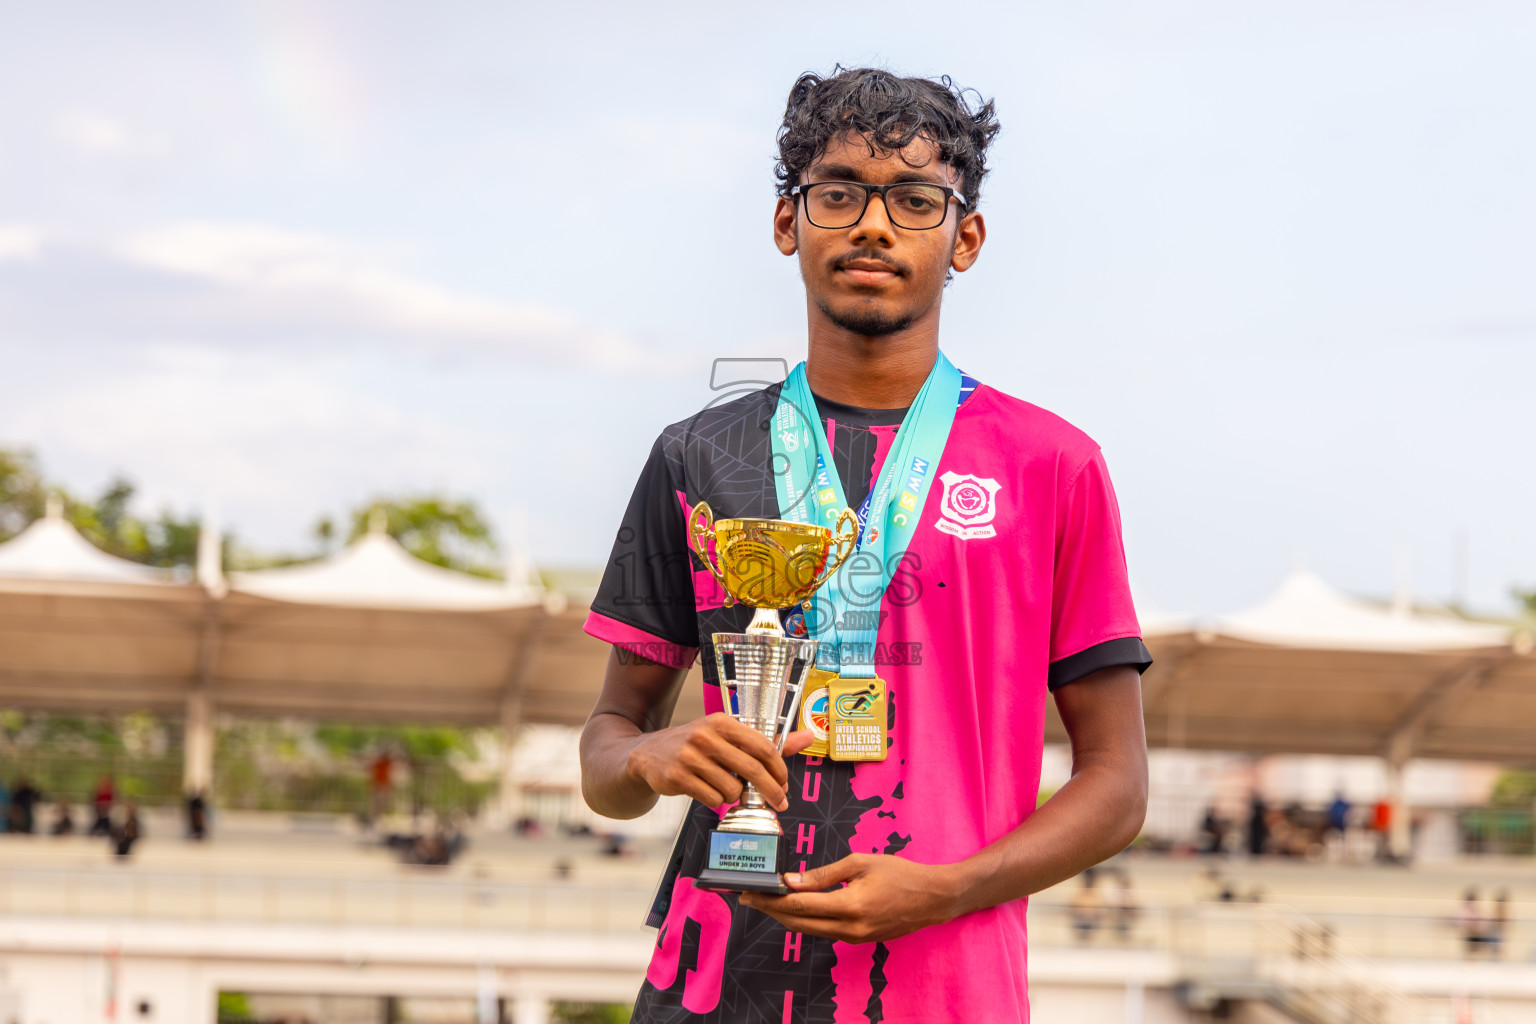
765	622
761	677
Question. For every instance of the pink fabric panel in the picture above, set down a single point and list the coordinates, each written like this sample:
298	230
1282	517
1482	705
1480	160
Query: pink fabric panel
701	987
969	714
884	438
1092	601
638	641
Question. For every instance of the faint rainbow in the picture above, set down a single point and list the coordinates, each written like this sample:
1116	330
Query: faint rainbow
304	70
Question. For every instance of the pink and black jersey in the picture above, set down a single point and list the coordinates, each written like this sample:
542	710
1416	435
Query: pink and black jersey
1014	585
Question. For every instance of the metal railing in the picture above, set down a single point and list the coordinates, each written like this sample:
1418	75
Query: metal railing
413	898
1376	927
1269	953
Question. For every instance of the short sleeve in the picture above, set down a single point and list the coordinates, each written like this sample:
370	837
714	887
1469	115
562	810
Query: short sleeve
1093	620
645	603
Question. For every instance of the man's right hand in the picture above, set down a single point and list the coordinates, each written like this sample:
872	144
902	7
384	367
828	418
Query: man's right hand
709	758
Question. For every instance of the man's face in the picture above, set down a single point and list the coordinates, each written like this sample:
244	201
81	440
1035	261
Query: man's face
874	278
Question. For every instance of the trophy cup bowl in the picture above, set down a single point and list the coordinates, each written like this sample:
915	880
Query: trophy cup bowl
768	564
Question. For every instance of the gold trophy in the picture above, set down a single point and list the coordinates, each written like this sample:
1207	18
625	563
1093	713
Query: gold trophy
769	564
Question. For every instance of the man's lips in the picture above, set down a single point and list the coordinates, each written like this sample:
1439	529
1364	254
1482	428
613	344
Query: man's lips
867	271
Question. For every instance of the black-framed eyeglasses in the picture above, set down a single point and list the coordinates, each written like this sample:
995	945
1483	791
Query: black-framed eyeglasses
914	205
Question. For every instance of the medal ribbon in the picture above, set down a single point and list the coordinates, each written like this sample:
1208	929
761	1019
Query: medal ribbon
809	491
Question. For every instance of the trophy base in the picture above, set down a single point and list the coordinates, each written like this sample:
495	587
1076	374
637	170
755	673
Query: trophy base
741	881
744	862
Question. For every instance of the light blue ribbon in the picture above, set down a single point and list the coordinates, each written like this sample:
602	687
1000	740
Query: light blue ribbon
845	617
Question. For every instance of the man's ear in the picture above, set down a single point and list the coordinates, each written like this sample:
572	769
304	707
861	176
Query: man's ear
784	225
969	238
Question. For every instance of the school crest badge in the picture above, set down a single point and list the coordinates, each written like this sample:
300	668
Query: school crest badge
968	506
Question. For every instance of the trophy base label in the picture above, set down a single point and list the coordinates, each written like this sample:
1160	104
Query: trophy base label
744	852
858	719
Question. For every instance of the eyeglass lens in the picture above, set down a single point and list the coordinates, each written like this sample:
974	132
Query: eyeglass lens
835	204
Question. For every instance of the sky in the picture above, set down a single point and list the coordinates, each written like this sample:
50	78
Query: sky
277	259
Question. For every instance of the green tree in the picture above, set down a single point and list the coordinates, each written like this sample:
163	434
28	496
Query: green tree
443	531
1514	788
22	493
590	1013
234	1006
166	541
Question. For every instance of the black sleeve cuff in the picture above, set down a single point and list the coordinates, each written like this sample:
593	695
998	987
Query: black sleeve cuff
1127	650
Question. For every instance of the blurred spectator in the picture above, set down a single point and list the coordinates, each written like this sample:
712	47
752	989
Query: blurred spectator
1381	828
1087	907
101	803
1469	921
197	815
1212	832
63	819
529	827
381	778
1338	823
1497	925
126	833
436	848
24	799
1258	826
1123	908
563	868
616	846
1282	833
431	849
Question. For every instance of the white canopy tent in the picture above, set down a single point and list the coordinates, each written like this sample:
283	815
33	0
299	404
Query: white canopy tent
1312	670
372	633
82	630
1305	612
368	634
376	572
53	550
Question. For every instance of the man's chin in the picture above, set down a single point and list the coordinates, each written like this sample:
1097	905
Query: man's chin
869	323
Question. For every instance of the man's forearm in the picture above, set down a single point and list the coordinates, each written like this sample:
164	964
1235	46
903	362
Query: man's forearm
606	782
1094	816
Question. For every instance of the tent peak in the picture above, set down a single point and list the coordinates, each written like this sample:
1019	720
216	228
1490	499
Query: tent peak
52	549
377	572
1304	611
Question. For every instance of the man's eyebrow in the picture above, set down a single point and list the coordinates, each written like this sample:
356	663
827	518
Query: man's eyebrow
845	172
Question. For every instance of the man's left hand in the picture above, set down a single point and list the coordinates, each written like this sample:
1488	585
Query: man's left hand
864	898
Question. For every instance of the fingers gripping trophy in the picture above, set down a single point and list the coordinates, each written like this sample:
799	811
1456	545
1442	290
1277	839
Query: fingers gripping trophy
768	564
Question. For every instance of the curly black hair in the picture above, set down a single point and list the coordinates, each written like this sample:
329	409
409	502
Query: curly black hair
887	112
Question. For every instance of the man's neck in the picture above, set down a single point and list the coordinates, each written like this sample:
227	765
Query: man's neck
871	373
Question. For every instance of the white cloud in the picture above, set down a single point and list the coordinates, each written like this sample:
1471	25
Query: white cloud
267	438
319	273
18	243
92	133
208	282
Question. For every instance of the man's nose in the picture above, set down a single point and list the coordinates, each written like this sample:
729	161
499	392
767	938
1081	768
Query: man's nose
875	226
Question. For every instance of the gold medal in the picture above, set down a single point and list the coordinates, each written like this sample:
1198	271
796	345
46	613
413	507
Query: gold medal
813	710
857	718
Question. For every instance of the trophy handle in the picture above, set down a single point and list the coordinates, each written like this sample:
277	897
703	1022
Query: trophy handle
701	526
843	540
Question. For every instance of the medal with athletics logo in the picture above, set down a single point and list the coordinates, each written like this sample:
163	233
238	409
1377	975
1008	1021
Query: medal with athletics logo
857	719
814	710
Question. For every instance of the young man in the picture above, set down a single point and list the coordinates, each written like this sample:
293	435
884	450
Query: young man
911	872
